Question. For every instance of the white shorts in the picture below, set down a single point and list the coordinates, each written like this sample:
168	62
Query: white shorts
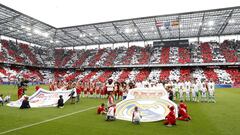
204	94
193	94
211	93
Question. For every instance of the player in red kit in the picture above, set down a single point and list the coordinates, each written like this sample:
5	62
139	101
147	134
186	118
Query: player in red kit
97	90
37	88
101	109
20	92
110	99
79	90
51	86
116	90
182	113
170	119
183	105
104	91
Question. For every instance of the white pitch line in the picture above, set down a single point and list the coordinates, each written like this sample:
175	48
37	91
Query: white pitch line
38	123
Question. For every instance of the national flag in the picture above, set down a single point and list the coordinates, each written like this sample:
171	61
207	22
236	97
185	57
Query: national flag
175	23
167	24
159	23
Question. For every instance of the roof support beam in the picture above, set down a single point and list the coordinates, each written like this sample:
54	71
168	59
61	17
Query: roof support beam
87	35
110	39
139	31
72	36
66	41
120	33
201	26
179	29
61	39
9	19
158	30
224	25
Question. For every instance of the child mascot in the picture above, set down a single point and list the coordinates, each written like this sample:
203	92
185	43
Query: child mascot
170	119
182	113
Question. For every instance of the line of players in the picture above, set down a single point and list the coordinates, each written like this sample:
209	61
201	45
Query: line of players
194	90
95	89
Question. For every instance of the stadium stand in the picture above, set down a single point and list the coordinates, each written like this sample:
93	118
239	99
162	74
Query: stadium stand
207	52
22	55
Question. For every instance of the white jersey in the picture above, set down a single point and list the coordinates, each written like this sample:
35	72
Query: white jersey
187	86
174	87
110	87
181	86
111	111
1	100
195	87
211	86
203	87
136	115
199	85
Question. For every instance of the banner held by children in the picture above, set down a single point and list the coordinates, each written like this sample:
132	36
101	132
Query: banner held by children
44	98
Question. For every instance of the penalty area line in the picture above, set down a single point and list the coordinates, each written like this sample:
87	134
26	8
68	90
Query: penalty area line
45	121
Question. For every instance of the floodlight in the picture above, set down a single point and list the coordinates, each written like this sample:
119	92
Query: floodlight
45	34
211	23
37	31
231	21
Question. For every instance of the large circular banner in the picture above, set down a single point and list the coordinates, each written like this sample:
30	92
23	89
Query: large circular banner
152	103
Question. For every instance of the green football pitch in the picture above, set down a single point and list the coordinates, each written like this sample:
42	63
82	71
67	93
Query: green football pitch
221	118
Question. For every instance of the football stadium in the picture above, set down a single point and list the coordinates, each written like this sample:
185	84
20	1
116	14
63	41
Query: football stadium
122	67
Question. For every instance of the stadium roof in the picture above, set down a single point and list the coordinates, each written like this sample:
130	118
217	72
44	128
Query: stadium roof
216	22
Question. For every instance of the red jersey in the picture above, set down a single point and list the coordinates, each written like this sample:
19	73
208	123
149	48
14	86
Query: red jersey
171	118
183	115
51	87
85	91
79	90
183	105
97	91
20	92
104	91
110	100
91	91
100	109
37	87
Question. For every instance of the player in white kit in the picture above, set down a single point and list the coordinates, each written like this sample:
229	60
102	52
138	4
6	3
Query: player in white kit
188	90
181	87
204	91
195	90
211	91
174	89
